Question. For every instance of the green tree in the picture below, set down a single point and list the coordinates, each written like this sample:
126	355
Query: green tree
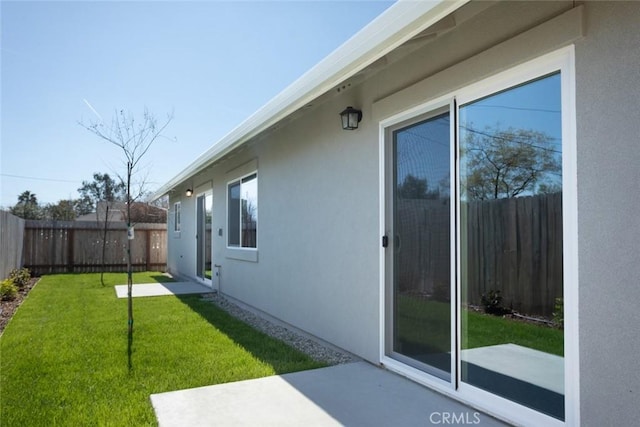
27	206
102	188
413	187
83	205
64	210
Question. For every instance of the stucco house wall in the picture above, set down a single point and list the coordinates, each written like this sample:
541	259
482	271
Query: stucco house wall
608	116
319	256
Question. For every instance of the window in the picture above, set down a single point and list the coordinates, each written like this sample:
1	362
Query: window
176	216
243	212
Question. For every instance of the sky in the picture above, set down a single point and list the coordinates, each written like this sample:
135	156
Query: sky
210	64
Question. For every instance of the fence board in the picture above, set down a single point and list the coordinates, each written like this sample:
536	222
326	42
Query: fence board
68	246
511	245
11	243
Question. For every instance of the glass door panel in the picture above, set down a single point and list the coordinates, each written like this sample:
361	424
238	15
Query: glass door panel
511	278
204	206
421	243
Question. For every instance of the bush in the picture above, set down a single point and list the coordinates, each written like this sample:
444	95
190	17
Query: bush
8	290
558	313
492	303
20	277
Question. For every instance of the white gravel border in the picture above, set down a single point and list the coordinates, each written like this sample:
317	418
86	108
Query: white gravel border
321	352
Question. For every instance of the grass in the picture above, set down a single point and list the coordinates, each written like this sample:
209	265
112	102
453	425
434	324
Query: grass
424	322
64	354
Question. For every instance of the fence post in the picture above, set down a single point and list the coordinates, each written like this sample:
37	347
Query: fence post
148	251
70	249
11	242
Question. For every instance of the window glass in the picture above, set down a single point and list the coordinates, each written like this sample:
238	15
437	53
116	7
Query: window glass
243	212
176	216
234	214
249	217
510	153
422	248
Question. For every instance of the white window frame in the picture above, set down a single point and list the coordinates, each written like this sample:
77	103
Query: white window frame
233	177
562	60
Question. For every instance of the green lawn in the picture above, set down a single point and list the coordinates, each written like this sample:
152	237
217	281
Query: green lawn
485	330
64	354
426	324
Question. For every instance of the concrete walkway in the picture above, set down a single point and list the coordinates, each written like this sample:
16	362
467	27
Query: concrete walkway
354	394
159	289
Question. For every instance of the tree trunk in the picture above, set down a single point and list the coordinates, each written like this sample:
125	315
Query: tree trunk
129	266
104	243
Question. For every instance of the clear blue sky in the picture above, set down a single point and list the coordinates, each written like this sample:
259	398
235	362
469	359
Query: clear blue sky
213	63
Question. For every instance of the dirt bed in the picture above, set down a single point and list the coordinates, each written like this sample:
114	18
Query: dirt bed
9	307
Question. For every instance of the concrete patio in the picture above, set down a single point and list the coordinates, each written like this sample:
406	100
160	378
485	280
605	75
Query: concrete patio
159	289
354	394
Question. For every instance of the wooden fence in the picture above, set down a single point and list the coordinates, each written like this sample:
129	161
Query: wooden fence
511	245
11	238
70	246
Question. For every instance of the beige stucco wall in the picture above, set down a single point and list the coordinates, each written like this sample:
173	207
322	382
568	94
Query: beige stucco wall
318	262
608	116
318	233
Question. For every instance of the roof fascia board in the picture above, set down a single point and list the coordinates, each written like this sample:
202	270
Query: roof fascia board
398	24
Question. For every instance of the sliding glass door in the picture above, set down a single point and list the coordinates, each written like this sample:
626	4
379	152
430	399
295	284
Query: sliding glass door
475	232
204	210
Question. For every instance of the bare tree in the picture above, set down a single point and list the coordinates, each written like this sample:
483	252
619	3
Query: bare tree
134	139
508	163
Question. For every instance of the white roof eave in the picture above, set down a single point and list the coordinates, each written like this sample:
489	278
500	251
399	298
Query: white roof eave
398	24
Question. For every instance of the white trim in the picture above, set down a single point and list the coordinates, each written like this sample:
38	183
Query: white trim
570	238
453	233
562	60
382	284
236	176
398	24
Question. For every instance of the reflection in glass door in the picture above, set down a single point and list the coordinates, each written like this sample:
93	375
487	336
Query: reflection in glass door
420	243
204	205
511	261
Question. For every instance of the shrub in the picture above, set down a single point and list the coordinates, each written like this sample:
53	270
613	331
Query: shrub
492	303
20	277
558	312
8	290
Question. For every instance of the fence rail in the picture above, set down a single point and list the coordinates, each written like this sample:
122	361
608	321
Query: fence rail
70	246
11	238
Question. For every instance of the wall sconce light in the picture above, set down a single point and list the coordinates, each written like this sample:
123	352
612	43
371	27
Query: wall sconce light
350	118
189	192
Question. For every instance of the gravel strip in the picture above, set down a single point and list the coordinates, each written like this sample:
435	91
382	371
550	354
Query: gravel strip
312	348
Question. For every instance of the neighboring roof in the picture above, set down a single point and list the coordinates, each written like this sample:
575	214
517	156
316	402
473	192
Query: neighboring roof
140	212
398	24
